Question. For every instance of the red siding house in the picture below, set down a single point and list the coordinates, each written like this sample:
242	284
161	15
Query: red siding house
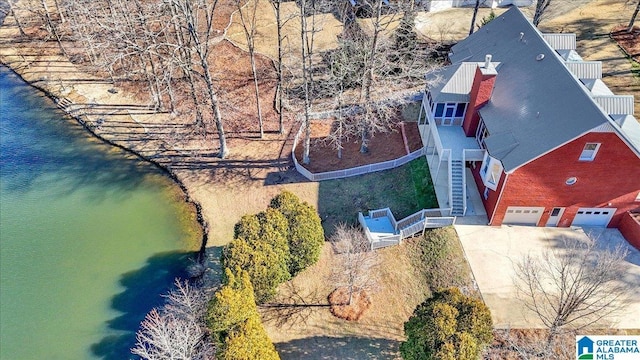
546	141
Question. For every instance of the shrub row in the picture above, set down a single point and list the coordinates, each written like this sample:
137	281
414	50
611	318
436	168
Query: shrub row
232	317
276	244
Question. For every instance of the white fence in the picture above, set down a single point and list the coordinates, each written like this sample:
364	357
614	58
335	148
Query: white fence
360	170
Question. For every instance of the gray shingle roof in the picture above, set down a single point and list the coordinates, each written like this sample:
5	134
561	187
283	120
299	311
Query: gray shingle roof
453	83
536	105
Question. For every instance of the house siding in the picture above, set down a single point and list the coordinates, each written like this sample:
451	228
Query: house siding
630	228
494	195
611	180
480	94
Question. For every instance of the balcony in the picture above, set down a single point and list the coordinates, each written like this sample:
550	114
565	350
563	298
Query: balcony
447	151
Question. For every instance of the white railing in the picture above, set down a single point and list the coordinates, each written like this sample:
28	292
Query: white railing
360	170
385	242
473	154
437	222
410	225
464	182
409	220
469	155
374	214
433	130
413	229
450	173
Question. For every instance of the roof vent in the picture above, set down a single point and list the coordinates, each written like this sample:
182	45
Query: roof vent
540	57
487	61
521	36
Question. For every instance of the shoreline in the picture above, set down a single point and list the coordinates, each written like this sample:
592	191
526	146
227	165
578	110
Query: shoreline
186	197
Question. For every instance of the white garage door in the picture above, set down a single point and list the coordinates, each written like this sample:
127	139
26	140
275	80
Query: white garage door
523	215
593	216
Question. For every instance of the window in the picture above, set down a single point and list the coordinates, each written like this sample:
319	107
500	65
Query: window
430	100
481	134
460	109
450	110
589	152
496	171
490	171
439	110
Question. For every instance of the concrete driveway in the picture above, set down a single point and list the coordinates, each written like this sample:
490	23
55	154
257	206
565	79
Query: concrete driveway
492	253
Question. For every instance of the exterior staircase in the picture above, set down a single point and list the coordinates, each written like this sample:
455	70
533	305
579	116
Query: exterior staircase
457	188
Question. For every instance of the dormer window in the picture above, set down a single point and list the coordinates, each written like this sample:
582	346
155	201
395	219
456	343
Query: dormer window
490	171
589	152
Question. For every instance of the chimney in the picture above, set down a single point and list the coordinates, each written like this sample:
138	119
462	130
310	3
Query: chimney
480	94
487	61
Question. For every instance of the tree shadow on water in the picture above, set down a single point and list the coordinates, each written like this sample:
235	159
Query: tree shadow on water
143	290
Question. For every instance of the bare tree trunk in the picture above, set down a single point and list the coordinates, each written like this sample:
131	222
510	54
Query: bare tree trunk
279	86
51	26
305	79
16	18
184	58
250	32
633	18
201	46
473	19
367	80
541	7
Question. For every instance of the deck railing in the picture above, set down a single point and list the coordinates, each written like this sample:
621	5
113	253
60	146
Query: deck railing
407	227
469	155
450	175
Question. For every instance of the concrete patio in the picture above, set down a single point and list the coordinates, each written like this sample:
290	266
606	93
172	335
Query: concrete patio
492	253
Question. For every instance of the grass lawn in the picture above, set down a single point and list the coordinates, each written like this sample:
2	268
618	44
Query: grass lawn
404	190
406	273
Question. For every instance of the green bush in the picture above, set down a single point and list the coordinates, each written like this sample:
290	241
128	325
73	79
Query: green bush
265	266
448	325
276	244
261	248
305	235
234	321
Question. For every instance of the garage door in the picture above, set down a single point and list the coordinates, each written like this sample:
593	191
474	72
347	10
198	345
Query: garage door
593	216
523	215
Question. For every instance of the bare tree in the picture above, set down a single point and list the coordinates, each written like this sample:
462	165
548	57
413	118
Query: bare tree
355	268
384	66
280	22
633	18
248	22
193	11
541	7
176	331
473	18
15	17
572	287
307	34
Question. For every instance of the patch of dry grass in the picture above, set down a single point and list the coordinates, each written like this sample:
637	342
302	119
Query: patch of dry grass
301	313
350	310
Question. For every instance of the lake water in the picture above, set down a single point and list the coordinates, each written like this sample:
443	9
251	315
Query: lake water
89	236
